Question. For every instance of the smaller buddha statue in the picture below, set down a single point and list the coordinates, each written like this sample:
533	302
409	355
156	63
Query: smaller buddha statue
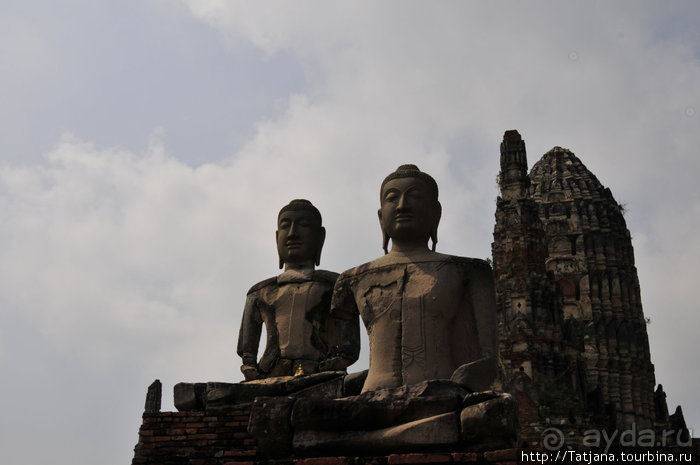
294	307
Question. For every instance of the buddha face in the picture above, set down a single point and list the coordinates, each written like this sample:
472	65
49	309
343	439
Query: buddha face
300	237
409	211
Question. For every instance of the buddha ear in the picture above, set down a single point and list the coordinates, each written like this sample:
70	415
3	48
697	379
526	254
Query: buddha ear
436	222
385	236
433	237
281	261
321	240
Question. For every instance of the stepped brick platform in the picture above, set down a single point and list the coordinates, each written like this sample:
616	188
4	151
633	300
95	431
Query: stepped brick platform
221	438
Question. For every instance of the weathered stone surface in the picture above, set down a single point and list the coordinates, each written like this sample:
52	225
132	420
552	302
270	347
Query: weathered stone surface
153	397
677	423
378	409
330	389
491	424
320	385
353	382
189	396
476	376
217	396
416	435
478	397
569	307
294	307
269	424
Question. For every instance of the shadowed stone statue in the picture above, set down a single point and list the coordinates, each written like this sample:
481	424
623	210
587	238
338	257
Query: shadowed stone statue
431	322
301	337
426	313
294	306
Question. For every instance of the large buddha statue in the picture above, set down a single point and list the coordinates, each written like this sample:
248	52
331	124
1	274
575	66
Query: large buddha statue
294	306
426	313
431	322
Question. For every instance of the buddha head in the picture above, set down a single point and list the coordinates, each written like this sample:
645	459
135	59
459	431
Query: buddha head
410	211
299	234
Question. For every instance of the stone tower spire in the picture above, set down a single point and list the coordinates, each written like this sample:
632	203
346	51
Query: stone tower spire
513	179
590	255
570	317
539	362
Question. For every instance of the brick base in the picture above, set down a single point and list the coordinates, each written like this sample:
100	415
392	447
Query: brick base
221	438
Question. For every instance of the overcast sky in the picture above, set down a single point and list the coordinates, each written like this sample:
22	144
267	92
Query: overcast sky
147	146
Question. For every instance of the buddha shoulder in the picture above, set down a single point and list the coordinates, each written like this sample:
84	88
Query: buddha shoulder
325	276
393	260
262	285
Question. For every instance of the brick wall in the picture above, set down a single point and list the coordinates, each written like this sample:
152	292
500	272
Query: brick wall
195	438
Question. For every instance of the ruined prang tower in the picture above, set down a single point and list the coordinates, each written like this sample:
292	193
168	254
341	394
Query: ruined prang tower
573	336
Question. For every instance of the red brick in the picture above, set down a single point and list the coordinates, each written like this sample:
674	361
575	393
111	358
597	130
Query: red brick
465	457
371	461
193	424
501	455
418	458
324	461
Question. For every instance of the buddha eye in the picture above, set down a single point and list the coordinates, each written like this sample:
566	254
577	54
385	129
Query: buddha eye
415	194
391	196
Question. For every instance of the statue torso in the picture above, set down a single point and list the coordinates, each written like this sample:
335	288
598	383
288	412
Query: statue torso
418	314
294	309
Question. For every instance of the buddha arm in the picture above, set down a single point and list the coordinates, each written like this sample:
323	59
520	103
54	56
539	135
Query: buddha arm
347	349
479	373
249	337
483	295
346	319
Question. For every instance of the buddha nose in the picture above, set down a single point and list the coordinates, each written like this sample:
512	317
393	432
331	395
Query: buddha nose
403	203
293	229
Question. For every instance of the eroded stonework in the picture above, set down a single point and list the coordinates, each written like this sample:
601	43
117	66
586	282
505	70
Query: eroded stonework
301	337
571	327
419	301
